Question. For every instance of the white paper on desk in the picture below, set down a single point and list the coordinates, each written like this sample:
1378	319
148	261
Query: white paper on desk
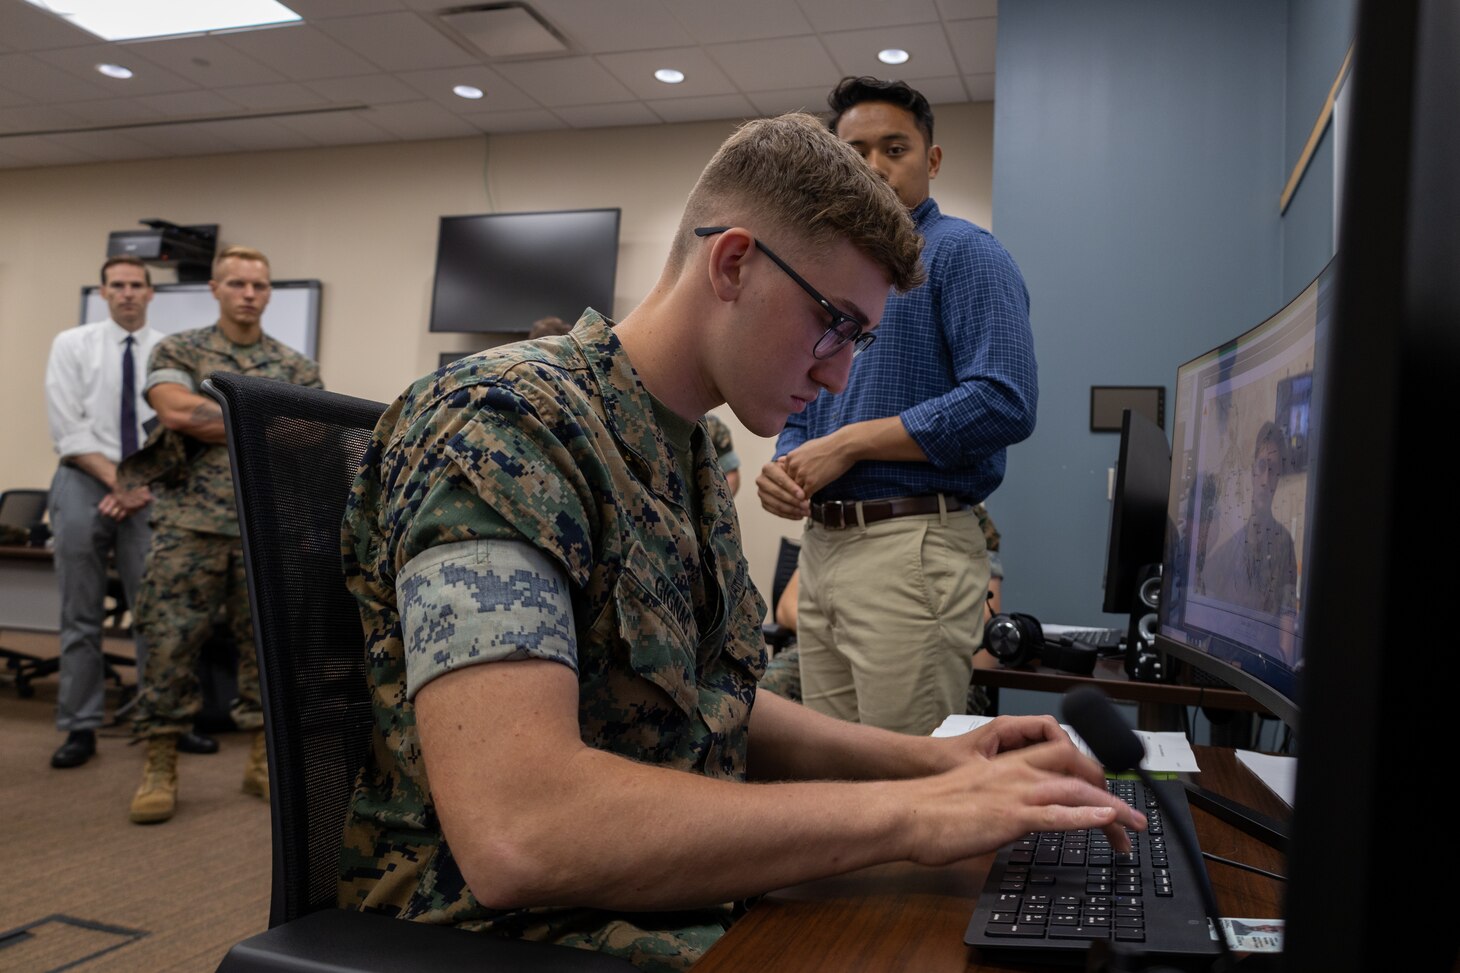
1165	752
1279	773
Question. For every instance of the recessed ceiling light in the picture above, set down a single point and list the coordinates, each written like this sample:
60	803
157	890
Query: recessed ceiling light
468	91
893	55
115	71
669	75
114	21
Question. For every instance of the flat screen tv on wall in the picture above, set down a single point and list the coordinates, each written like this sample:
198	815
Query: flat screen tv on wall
499	272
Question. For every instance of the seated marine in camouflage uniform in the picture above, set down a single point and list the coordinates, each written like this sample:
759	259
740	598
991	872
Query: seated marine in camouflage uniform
562	637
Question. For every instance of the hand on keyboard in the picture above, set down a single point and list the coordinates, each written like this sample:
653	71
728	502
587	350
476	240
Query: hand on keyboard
1012	776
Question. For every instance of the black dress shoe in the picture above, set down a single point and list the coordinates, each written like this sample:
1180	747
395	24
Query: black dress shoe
196	743
80	746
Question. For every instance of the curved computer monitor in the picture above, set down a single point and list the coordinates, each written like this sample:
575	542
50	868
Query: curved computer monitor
1243	458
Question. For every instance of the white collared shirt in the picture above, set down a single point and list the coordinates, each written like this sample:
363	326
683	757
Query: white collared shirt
84	387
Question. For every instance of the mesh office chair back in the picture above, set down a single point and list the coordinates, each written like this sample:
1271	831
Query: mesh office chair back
295	452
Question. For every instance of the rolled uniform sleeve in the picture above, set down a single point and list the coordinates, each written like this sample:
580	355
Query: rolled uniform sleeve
482	601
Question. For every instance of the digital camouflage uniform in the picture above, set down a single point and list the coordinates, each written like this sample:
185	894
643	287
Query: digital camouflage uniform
554	443
783	674
194	567
724	445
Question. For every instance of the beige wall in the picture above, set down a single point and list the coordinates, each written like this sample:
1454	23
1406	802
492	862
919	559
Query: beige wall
363	221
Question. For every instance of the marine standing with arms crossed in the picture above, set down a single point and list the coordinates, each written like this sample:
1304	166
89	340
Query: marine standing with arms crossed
195	568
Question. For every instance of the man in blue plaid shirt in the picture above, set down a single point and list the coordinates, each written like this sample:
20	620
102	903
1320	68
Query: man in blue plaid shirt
894	570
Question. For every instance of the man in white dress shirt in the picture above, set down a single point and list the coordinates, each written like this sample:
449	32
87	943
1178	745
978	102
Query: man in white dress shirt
93	383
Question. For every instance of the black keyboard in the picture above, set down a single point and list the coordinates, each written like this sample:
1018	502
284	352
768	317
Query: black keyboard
1100	638
1050	895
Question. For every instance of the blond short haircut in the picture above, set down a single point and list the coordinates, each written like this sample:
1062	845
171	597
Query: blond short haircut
238	253
789	178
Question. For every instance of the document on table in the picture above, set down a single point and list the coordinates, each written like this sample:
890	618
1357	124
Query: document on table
1165	752
1279	773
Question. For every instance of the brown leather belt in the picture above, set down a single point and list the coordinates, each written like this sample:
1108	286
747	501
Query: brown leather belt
839	514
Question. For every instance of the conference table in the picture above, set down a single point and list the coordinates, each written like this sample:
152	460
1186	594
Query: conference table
906	917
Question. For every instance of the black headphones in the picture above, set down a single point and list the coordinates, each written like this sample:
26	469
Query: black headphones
1018	640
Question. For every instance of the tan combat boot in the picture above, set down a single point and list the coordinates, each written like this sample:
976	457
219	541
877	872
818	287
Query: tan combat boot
156	799
256	771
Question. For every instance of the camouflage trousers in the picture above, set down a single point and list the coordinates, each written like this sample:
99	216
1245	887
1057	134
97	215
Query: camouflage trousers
656	942
190	580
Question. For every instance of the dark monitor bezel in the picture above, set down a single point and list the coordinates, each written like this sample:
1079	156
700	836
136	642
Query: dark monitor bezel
436	322
1281	705
1134	519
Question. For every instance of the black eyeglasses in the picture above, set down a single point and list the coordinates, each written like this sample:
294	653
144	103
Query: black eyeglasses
844	328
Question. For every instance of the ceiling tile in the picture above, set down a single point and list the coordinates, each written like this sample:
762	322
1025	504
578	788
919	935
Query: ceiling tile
967	9
312	10
779	102
38	150
829	15
184	140
706	109
791	62
399	41
25	74
256	134
337	128
980	87
27	28
418	120
608	116
8	98
370	89
501	94
37	118
974	42
147	79
855	51
717	22
614	25
191	104
301	53
205	61
636	70
501	122
940	91
565	81
112	111
107	145
266	97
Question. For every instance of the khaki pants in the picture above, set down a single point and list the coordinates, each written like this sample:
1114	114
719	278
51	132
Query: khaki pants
889	616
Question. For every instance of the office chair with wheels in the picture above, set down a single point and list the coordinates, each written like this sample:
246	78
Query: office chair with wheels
24	513
294	453
778	637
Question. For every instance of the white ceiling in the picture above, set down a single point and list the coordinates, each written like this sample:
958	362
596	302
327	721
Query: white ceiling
358	71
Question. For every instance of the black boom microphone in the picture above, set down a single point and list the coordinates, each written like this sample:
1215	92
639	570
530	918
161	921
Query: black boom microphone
1090	713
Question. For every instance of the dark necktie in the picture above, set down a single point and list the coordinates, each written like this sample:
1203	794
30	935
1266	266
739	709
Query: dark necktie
129	402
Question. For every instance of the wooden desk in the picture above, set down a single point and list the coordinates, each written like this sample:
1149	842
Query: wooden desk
905	917
1110	678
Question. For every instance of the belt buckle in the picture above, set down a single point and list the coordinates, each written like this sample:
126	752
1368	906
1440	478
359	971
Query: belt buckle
840	506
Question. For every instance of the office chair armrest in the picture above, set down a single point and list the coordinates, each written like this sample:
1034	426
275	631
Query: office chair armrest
339	940
776	636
